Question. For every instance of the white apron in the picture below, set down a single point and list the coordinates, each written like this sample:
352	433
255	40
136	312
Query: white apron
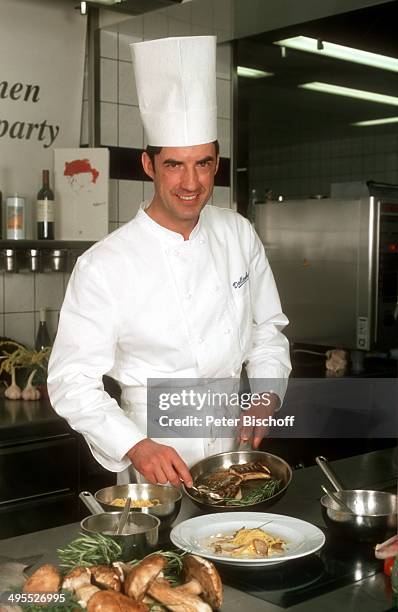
191	450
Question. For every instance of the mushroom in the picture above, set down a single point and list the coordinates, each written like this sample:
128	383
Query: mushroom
176	599
260	547
154	606
46	579
110	601
122	569
139	579
85	593
201	571
77	578
106	577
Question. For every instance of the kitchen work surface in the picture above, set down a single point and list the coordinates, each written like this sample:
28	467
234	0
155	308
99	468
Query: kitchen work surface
342	576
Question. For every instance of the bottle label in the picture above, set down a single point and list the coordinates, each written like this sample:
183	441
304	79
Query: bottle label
45	211
15	219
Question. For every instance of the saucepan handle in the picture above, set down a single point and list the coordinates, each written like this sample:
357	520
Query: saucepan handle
329	473
89	500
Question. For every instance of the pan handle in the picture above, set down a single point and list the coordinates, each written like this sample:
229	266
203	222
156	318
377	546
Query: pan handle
91	503
329	473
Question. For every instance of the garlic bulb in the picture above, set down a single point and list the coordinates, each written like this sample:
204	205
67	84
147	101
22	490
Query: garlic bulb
13	391
30	392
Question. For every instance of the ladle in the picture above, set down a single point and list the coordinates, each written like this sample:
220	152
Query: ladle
124	517
338	501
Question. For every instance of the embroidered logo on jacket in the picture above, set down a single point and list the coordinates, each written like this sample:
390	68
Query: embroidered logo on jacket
241	281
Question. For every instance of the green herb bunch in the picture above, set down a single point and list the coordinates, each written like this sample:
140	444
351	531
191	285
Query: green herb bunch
86	550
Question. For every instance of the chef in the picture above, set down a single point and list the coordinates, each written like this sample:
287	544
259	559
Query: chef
184	290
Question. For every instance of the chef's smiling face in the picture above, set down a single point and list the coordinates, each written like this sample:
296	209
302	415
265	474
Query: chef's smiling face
183	179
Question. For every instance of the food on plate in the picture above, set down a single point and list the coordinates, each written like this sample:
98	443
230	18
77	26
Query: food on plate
247	543
231	484
135	503
47	579
159	582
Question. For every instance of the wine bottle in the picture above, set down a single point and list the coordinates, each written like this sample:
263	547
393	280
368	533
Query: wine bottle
42	336
45	210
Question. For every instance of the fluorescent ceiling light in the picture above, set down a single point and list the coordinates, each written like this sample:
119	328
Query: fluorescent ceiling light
351	93
252	73
376	121
349	54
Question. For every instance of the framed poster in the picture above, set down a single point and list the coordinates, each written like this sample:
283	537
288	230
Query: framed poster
81	178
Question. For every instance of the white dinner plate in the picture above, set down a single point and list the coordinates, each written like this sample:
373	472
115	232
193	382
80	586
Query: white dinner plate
301	537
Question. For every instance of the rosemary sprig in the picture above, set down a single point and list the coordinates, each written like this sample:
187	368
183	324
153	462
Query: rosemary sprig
257	495
88	550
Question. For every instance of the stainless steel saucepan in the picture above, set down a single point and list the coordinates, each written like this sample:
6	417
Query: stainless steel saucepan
140	536
370	515
166	510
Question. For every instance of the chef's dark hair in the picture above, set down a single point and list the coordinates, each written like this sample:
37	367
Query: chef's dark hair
152	151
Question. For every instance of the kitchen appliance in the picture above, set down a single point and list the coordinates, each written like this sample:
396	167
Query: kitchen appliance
335	262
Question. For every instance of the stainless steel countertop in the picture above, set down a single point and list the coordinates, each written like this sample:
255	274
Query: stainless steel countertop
375	470
22	420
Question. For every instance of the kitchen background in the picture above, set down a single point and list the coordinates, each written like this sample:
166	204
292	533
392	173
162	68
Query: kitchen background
296	142
295	163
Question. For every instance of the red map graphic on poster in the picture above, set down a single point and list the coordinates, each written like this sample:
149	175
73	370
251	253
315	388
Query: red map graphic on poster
80	166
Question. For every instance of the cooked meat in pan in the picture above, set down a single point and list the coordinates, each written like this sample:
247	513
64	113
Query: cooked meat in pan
254	470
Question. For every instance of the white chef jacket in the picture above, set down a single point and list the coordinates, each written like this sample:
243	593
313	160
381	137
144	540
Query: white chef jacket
143	303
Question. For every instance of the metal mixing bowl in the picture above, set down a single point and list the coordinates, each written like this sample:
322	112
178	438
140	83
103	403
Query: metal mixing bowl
375	518
134	545
278	467
166	511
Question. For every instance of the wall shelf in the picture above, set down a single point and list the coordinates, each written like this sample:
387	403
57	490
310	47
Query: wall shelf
40	255
79	245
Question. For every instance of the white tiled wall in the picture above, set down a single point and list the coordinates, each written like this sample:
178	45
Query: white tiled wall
21	297
309	168
22	294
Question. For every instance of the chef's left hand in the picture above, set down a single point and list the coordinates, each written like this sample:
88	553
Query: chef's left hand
258	410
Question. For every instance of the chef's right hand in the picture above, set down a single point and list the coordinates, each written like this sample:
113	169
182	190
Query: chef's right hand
159	463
